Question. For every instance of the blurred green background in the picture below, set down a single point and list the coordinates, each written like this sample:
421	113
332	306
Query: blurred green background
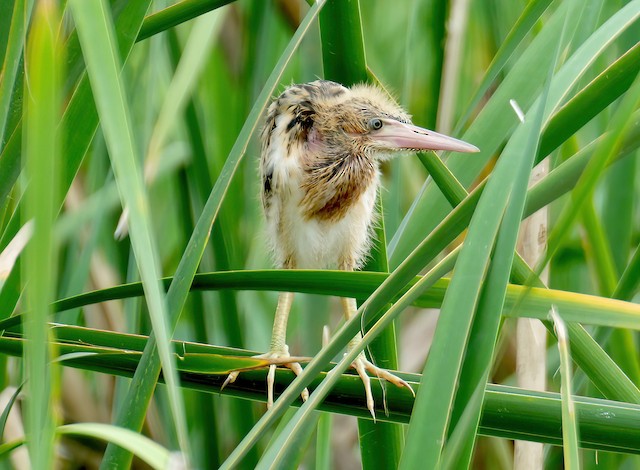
79	137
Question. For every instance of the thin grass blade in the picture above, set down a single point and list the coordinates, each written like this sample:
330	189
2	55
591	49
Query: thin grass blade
373	303
144	382
607	147
486	324
435	398
96	34
629	281
152	453
9	256
20	18
531	14
176	14
599	310
508	412
493	124
569	425
201	39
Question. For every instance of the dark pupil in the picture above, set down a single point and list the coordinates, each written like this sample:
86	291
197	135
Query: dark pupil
375	124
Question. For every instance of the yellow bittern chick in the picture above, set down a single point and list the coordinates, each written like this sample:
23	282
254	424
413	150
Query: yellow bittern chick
322	145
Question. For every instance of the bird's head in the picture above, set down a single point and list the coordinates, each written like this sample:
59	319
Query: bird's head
331	119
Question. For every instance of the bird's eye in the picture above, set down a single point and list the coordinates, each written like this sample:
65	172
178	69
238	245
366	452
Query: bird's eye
375	124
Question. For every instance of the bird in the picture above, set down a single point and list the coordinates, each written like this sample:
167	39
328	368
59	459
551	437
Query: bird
321	149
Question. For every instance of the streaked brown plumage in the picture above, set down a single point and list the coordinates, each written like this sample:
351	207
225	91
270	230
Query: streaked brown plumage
321	148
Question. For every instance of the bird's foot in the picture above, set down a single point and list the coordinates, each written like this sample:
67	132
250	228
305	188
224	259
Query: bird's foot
274	359
362	365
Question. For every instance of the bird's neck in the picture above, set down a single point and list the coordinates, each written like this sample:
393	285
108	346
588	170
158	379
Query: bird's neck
332	186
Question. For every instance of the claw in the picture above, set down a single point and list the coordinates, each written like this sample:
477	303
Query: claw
297	369
230	379
389	377
362	365
359	365
273	359
271	377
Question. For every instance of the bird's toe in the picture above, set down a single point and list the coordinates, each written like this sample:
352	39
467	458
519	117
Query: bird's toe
362	365
273	359
230	379
389	377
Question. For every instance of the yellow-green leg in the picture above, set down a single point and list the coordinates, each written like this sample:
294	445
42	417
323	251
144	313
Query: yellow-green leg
279	351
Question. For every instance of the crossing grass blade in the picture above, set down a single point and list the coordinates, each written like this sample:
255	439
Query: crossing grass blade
476	293
508	411
144	383
508	47
486	324
493	124
434	402
95	31
374	304
608	146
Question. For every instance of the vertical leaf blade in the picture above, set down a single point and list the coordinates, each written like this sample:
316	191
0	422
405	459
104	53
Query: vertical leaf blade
344	61
43	158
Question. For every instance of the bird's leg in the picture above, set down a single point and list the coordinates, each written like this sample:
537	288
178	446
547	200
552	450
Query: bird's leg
279	331
279	351
362	365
